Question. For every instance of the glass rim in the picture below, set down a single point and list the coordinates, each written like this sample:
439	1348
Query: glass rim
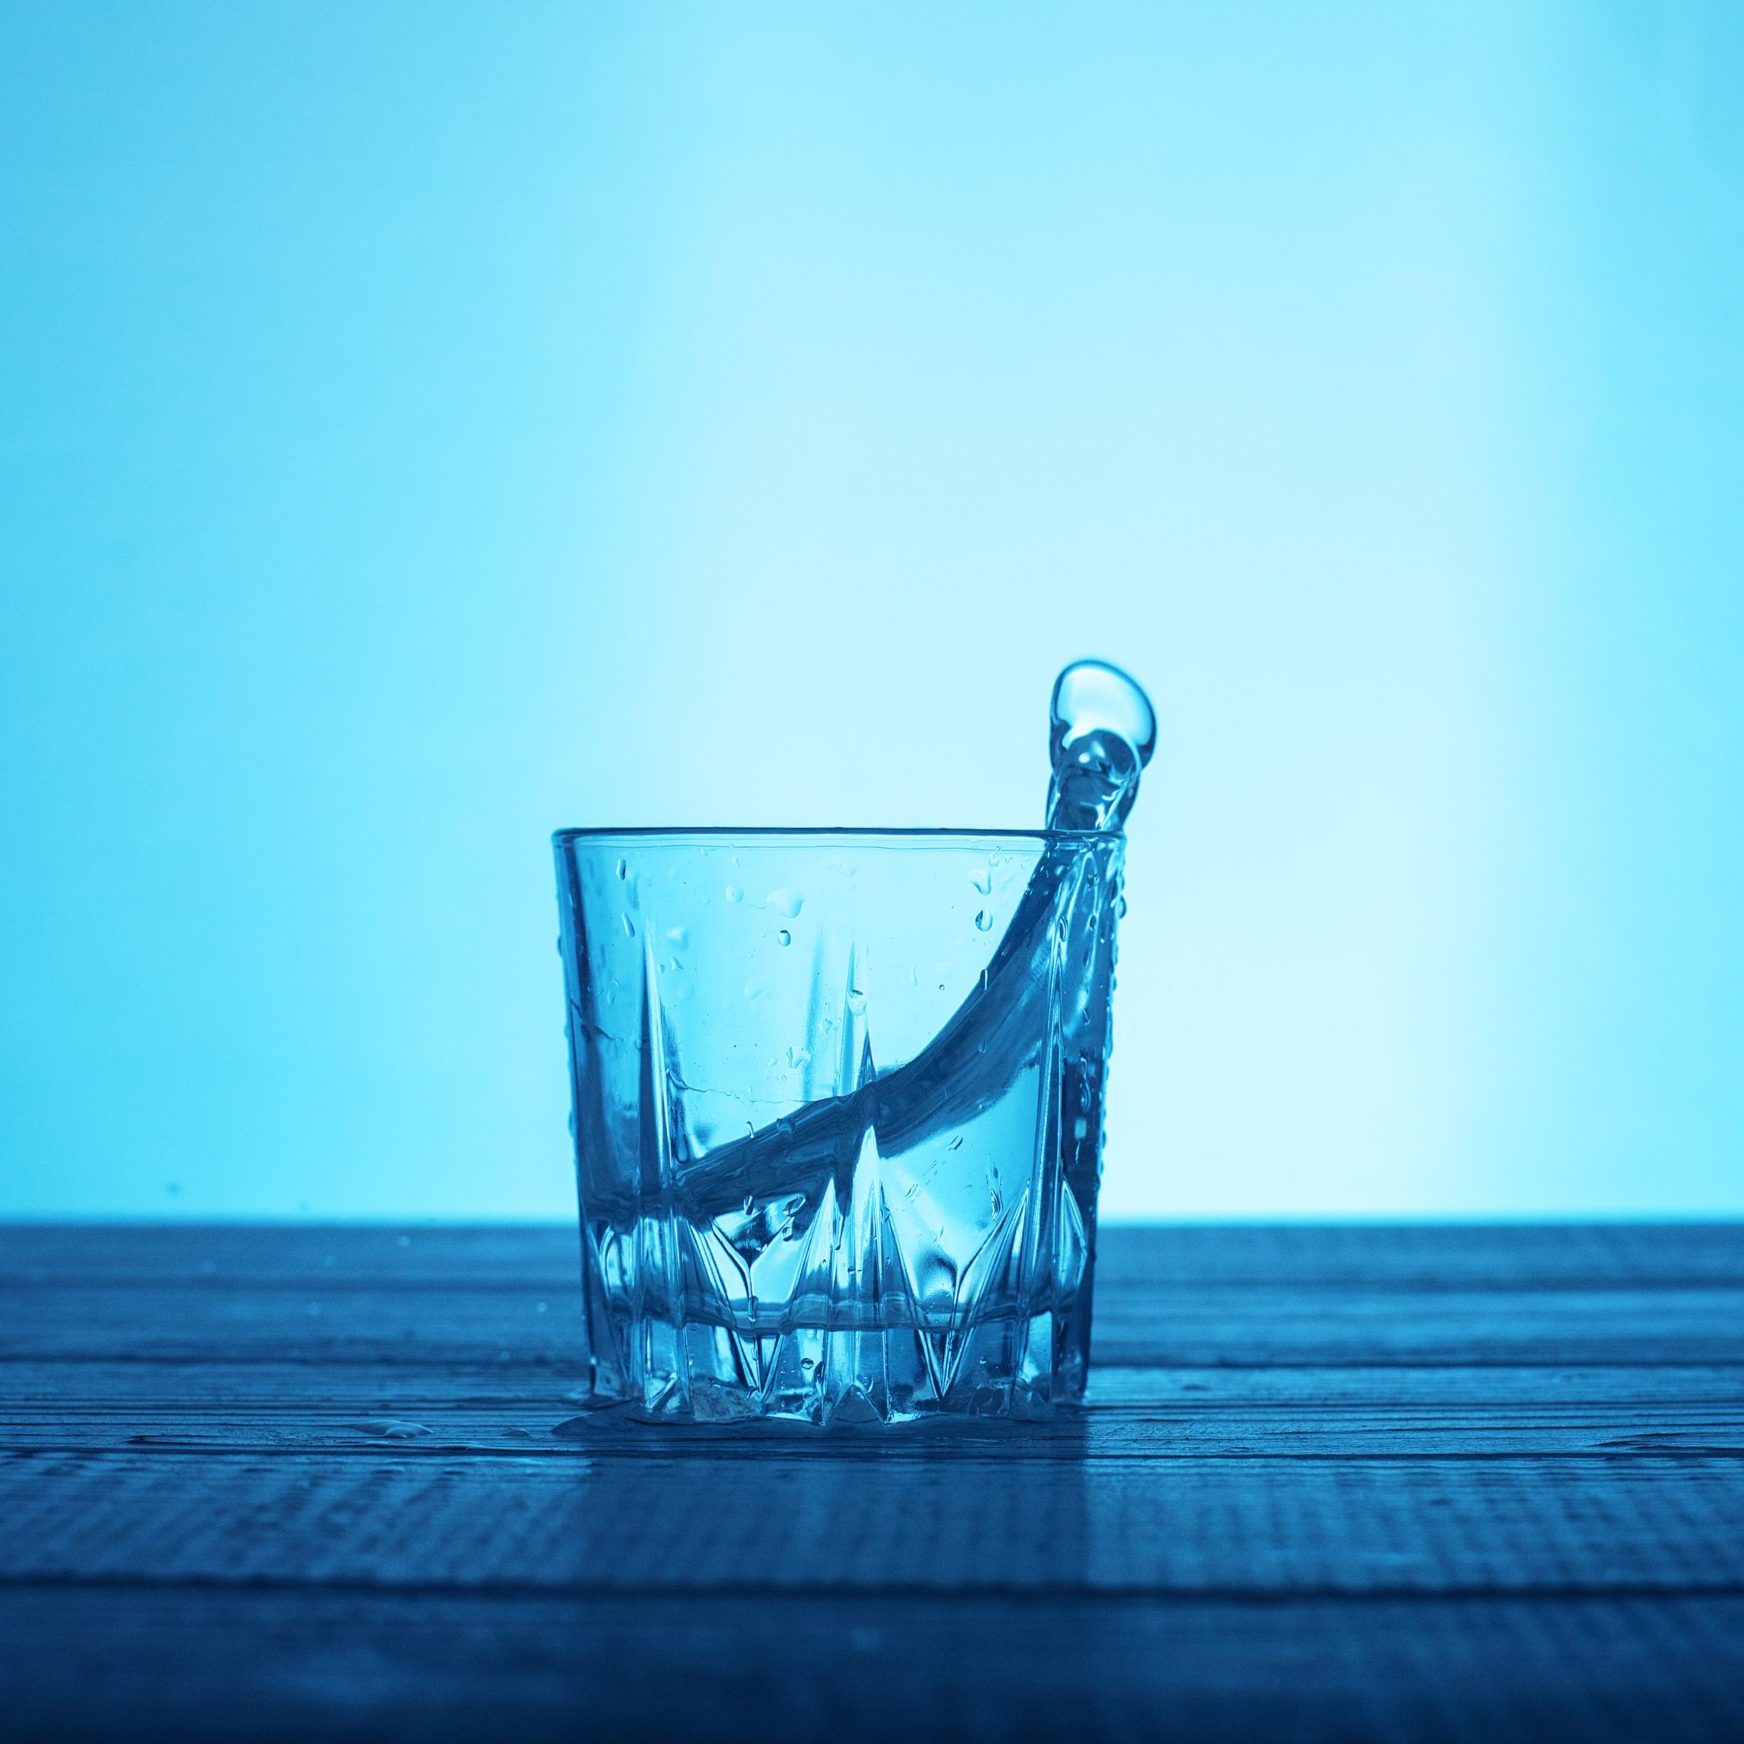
794	833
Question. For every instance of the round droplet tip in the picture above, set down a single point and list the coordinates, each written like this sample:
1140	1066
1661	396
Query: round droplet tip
1093	696
1101	733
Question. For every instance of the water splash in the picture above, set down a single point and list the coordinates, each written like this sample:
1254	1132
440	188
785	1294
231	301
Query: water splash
1101	734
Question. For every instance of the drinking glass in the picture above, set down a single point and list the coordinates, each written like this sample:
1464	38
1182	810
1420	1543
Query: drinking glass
837	1109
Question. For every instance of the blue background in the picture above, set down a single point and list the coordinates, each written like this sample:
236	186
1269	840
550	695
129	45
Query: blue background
426	425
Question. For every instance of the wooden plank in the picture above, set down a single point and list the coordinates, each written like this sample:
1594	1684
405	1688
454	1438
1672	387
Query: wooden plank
1435	1256
1149	1324
197	1387
539	1257
264	1665
544	1257
1154	1413
966	1518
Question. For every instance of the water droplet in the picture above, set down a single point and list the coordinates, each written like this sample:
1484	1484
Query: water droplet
734	894
392	1429
983	922
983	881
856	1001
785	901
784	937
1091	695
678	935
956	1144
1101	733
623	869
797	1057
807	1365
629	927
750	1204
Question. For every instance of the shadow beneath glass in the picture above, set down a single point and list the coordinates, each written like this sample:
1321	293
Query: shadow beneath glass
946	1506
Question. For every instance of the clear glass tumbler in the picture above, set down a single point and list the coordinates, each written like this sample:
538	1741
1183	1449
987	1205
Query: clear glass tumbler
838	1115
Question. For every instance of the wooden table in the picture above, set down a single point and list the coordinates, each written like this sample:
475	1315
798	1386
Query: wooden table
1414	1483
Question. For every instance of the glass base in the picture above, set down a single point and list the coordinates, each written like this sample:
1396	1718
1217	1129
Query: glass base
830	1378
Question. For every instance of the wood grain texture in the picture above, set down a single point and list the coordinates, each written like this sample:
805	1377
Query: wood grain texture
1331	1483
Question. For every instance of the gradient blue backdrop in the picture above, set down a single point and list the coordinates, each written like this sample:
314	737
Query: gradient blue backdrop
424	425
